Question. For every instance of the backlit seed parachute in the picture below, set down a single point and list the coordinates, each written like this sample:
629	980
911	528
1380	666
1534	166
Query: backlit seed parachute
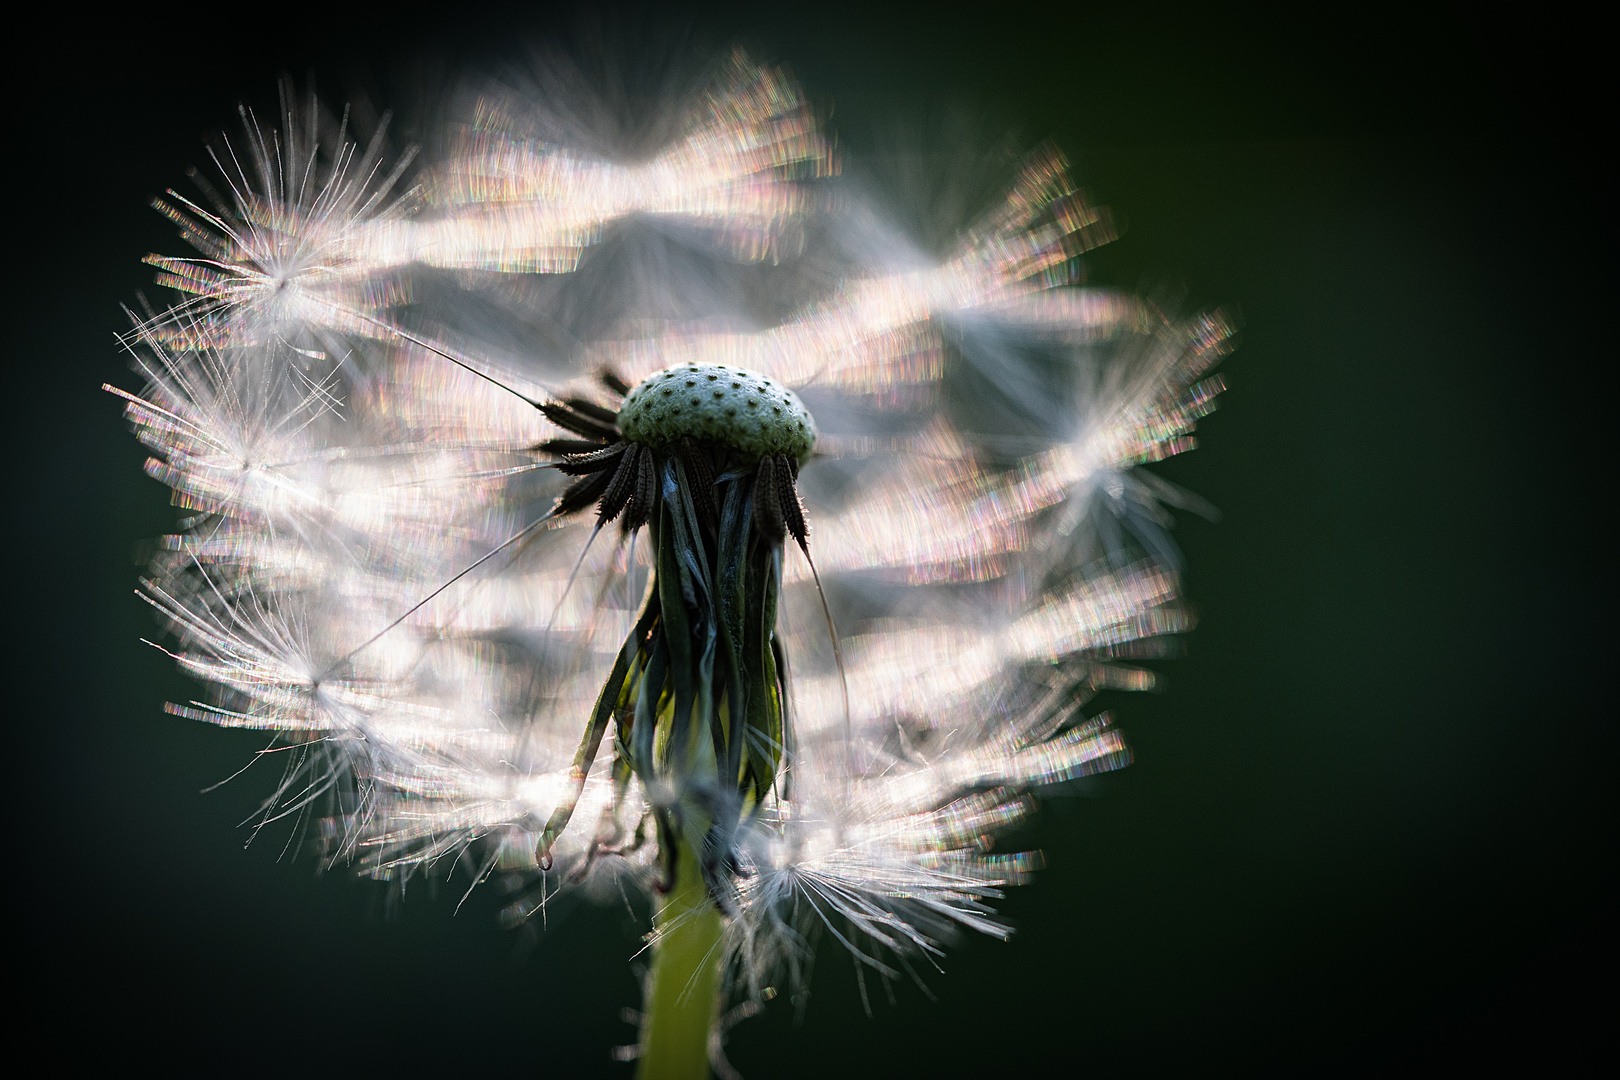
400	403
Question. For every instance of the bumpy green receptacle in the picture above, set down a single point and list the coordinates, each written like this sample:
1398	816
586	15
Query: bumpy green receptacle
743	409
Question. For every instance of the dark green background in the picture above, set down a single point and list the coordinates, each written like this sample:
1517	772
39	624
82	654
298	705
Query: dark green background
1365	825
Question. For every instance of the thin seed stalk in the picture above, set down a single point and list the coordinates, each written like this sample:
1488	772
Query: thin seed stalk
683	986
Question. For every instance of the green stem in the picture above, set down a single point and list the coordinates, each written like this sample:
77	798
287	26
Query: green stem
682	990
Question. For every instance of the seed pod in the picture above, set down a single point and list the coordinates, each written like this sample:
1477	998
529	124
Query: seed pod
623	485
767	503
787	495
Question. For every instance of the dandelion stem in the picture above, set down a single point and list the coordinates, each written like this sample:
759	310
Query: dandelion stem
683	986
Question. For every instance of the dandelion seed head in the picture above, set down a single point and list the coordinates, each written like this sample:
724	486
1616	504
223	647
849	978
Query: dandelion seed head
387	554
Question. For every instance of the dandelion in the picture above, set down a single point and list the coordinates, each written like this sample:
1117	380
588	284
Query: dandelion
769	585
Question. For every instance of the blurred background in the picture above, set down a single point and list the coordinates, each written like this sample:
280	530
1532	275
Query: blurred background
1365	826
